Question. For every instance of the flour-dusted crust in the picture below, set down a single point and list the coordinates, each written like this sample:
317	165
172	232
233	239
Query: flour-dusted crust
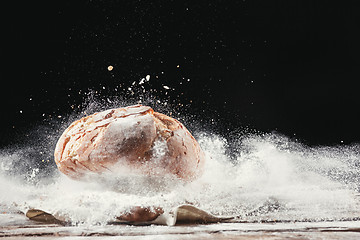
130	140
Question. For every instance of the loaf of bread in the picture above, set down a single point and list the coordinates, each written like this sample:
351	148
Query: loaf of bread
131	140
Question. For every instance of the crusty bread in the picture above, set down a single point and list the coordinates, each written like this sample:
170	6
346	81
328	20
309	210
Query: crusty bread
130	140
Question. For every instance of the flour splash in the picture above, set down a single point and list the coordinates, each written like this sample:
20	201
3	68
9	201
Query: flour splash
270	178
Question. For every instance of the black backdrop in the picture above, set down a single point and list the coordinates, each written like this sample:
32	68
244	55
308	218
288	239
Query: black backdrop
285	66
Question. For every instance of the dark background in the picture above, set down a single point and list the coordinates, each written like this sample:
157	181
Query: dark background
285	66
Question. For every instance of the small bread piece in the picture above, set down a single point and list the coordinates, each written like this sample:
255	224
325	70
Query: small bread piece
130	140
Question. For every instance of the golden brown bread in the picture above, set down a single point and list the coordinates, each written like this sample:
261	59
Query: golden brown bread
130	140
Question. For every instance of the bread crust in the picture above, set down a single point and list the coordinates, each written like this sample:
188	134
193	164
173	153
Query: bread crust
134	140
